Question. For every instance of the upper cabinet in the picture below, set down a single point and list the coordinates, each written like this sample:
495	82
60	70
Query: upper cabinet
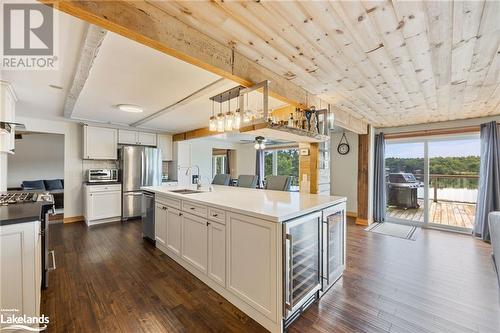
127	137
165	144
7	113
100	143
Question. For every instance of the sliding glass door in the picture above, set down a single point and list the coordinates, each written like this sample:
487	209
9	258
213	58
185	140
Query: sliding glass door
433	181
405	181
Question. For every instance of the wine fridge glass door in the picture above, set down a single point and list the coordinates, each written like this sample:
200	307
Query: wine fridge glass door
302	260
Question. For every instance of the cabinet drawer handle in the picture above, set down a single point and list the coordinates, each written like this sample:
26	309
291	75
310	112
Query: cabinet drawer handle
215	215
192	208
180	214
53	257
208	223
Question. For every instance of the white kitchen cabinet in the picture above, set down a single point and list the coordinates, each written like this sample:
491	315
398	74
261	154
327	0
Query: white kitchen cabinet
161	224
103	203
252	252
217	252
194	241
128	137
146	139
20	278
7	113
165	144
174	231
100	143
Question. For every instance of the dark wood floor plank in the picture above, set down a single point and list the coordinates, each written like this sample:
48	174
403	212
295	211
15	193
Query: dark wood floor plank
109	280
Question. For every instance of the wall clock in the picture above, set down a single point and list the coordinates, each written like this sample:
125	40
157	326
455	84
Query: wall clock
343	147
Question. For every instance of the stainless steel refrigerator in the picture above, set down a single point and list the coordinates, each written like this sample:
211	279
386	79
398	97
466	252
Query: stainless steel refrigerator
139	166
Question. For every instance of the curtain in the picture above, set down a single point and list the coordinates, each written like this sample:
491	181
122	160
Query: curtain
259	167
488	199
379	189
227	167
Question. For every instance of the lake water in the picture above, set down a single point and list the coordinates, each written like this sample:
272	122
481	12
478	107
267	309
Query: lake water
451	194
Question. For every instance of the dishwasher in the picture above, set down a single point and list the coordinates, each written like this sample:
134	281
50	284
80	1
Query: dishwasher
148	216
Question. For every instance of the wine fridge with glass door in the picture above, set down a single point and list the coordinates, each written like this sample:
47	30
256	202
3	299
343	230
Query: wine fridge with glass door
301	264
333	245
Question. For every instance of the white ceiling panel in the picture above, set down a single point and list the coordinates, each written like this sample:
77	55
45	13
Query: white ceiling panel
126	72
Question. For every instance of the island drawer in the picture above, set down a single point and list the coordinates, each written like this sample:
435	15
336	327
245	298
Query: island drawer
172	202
194	208
217	215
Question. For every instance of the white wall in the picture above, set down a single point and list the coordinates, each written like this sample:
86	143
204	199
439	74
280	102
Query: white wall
37	156
199	152
73	166
3	172
344	170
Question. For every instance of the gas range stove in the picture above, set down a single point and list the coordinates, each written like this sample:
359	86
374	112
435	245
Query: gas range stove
23	197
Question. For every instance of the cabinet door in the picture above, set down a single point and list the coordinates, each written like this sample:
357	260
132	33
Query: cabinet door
127	137
103	205
174	231
217	252
161	224
20	273
252	266
100	143
165	144
194	241
146	139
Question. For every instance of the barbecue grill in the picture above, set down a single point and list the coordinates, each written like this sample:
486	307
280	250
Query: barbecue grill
402	190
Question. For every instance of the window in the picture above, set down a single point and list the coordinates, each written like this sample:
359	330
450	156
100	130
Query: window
282	162
218	164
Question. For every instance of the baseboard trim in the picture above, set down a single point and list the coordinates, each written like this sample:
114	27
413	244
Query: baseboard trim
352	214
361	221
73	219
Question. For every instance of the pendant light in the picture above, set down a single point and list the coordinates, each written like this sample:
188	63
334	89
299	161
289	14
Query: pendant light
246	112
212	124
220	119
237	116
229	118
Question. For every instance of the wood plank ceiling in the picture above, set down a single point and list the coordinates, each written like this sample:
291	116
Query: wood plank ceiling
392	62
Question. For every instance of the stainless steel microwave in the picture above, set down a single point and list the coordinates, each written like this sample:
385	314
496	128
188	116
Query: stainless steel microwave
102	175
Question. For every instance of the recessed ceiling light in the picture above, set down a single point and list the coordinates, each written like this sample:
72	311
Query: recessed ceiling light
130	108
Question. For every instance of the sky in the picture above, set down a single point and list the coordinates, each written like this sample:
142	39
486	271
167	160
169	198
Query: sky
448	148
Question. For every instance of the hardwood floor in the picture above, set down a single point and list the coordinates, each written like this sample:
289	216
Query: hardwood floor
109	280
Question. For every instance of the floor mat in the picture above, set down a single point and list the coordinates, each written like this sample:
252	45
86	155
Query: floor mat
395	230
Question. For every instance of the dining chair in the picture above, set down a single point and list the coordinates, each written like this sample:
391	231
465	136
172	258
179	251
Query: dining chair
278	183
249	181
221	179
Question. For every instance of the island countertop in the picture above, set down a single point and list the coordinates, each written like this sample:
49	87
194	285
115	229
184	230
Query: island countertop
276	206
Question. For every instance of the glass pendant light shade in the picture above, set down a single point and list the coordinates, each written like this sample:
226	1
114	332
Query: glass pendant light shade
220	122
256	146
262	145
237	119
212	124
229	121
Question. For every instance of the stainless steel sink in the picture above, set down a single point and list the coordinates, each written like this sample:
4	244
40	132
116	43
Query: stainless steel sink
186	191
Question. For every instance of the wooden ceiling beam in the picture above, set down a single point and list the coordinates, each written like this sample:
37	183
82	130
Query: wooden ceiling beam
149	25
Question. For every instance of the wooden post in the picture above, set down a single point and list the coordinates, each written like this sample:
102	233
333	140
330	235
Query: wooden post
309	168
363	153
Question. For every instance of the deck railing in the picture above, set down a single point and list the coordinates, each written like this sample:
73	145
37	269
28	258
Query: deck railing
437	180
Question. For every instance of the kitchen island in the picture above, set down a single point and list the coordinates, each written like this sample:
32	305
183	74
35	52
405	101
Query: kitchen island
260	249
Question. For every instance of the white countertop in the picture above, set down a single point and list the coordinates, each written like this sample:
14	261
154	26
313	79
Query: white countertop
276	206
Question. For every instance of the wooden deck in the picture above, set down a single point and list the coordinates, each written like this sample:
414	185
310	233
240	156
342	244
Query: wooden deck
442	212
